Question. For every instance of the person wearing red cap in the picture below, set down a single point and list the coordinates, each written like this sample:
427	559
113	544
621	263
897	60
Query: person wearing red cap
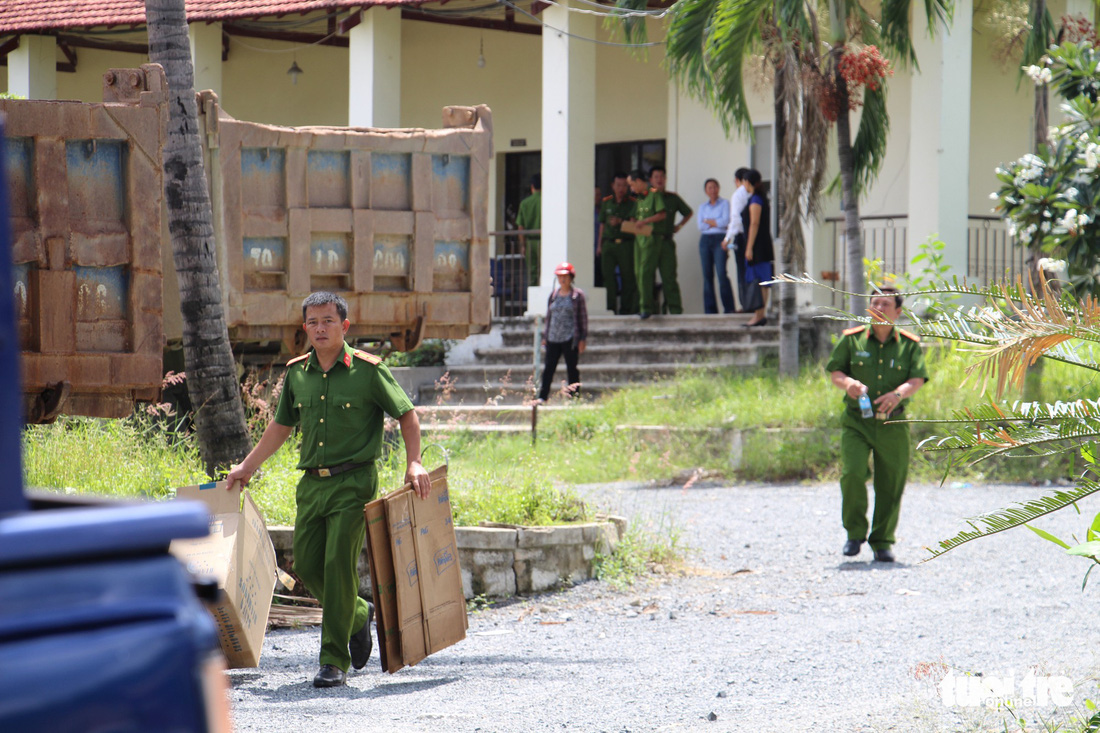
565	331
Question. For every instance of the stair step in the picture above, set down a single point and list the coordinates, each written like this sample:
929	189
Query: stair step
641	353
486	414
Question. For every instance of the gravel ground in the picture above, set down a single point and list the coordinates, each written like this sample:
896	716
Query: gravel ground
769	629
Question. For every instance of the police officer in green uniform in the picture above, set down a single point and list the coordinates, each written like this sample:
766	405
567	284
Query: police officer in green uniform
616	248
648	209
530	217
667	229
338	396
887	364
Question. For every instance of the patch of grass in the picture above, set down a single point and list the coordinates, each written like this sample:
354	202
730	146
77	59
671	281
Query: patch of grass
639	551
126	458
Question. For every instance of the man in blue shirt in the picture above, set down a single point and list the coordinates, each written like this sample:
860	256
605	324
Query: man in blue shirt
713	219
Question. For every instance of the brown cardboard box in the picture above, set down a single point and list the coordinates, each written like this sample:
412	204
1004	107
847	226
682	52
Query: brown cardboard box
641	230
238	552
426	608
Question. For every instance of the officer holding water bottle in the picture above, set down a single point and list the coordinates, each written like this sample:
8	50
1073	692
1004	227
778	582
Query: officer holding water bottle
880	366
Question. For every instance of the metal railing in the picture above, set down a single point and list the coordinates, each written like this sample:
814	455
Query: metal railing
508	270
991	252
884	238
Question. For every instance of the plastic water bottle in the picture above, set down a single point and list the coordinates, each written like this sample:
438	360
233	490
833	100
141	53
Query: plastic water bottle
865	405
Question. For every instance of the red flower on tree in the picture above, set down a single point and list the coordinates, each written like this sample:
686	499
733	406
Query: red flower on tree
864	67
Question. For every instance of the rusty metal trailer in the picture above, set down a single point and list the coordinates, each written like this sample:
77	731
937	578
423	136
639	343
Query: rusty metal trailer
394	220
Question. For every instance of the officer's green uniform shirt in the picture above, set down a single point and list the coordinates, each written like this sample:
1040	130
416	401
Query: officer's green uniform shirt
673	205
340	412
645	207
883	367
624	209
529	215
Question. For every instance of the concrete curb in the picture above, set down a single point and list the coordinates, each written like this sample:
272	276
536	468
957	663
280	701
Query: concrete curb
500	561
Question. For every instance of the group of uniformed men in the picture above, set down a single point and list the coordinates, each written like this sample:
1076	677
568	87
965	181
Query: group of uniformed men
638	258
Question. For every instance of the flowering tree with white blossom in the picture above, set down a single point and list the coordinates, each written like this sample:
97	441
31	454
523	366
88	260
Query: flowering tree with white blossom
1052	199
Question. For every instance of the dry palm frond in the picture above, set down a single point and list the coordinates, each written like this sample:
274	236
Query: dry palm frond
804	151
1026	429
1016	328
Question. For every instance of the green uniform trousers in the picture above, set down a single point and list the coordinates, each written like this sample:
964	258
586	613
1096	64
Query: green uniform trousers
534	263
328	537
861	437
619	254
647	251
670	286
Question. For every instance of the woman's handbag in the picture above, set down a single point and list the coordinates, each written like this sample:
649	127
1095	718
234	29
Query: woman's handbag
758	272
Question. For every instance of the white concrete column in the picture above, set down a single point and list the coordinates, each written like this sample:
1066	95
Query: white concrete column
374	69
568	151
939	137
206	56
32	68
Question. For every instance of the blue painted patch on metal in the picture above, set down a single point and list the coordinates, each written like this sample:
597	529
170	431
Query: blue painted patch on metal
262	161
97	179
391	181
102	293
329	255
328	178
19	154
329	161
263	177
451	182
265	254
391	260
451	267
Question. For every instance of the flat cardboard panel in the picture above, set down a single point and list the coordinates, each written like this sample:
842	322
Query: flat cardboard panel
410	618
238	552
383	586
415	550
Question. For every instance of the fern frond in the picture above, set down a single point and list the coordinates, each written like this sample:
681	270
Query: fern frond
1014	515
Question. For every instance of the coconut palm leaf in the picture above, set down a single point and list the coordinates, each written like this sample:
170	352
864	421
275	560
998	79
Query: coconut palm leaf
633	26
897	33
869	148
1039	39
734	30
1015	515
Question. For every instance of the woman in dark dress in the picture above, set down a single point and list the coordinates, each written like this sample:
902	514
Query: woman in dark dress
758	244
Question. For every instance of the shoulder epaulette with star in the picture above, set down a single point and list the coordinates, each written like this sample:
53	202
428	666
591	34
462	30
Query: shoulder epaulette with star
853	331
297	359
609	198
369	358
909	335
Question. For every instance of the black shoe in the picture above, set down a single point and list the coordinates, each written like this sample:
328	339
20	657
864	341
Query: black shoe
329	676
851	547
884	555
761	322
360	643
644	316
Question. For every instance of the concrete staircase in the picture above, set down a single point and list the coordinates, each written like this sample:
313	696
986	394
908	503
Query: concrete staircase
620	350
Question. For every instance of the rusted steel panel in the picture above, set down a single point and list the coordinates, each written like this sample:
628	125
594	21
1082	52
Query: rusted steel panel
395	220
86	212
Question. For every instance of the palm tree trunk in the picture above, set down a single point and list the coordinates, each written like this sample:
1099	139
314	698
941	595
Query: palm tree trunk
211	370
788	303
853	241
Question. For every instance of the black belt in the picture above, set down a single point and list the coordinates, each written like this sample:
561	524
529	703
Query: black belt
336	470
